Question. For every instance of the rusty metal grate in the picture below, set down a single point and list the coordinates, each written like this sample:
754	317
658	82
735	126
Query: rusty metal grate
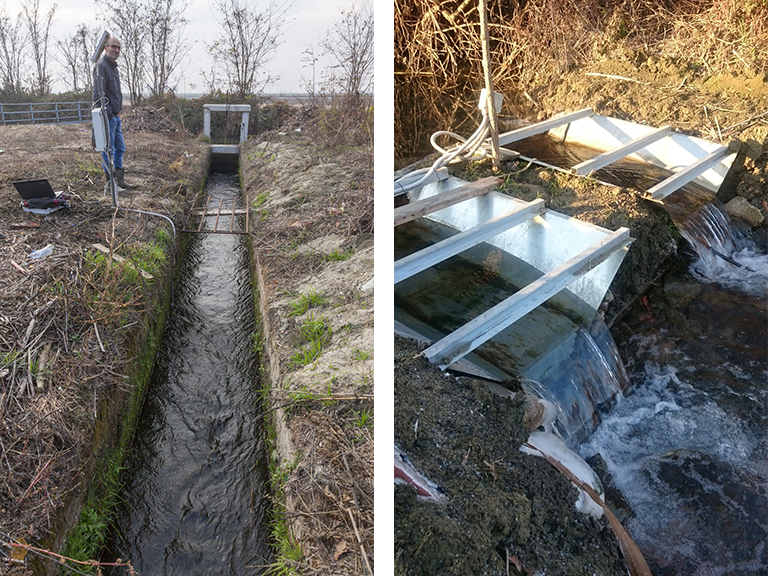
221	211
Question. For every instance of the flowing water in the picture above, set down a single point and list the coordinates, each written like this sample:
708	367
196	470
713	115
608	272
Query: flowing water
685	433
196	482
688	448
565	353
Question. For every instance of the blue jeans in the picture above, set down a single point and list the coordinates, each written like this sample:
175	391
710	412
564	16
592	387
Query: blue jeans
116	143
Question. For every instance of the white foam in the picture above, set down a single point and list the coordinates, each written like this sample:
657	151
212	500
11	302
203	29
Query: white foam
665	416
750	275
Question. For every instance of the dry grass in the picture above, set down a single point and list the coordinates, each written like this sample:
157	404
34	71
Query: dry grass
438	57
67	322
331	491
303	192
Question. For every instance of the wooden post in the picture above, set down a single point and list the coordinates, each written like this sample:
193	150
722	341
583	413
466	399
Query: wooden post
483	7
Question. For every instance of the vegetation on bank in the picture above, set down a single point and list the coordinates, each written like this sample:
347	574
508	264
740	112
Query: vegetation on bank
71	394
540	47
310	187
123	284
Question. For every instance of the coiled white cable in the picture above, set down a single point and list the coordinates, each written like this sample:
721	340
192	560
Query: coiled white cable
470	149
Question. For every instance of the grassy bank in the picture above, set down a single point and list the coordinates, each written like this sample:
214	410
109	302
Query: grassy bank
118	418
314	266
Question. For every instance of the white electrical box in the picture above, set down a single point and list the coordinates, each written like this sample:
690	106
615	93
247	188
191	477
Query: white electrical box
498	100
99	130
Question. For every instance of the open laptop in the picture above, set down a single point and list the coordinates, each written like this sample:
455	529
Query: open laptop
39	188
38	196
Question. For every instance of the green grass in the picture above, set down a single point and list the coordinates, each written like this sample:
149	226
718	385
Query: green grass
310	299
364	418
148	257
286	548
258	343
317	334
9	358
338	256
361	355
307	354
316	330
86	541
260	199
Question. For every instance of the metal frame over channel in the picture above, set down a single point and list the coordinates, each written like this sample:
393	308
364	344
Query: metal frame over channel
662	147
484	327
453	197
223	212
423	259
621	139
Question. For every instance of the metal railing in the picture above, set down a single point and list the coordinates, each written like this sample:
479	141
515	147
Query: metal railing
45	113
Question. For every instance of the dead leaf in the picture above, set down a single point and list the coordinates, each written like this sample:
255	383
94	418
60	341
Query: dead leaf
18	553
341	547
515	561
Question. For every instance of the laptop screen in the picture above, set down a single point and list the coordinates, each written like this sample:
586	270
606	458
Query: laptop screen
29	189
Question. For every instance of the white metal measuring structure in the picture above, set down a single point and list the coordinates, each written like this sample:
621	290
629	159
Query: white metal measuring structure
245	109
570	254
224	149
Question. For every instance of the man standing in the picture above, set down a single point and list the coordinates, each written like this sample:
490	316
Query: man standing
106	81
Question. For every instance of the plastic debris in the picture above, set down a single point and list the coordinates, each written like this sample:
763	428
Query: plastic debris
43	252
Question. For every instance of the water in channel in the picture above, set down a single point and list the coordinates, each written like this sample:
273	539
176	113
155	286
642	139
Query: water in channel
196	482
688	447
685	435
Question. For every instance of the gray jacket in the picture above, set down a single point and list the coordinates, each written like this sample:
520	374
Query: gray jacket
107	73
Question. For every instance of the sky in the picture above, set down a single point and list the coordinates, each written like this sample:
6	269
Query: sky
311	20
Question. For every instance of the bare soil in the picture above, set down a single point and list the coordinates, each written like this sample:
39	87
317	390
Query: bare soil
503	504
314	236
68	324
90	321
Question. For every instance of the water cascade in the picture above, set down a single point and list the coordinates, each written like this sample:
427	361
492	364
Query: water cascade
564	351
687	448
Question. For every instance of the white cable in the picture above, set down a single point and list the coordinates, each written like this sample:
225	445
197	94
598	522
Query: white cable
126	209
152	214
467	150
469	147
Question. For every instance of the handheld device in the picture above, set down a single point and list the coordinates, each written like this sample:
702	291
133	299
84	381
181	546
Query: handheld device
100	47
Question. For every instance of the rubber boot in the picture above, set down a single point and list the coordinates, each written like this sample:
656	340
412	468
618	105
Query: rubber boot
120	189
120	175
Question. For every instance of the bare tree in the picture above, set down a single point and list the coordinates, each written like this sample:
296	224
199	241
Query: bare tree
167	46
12	44
349	43
76	55
39	28
248	39
127	19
